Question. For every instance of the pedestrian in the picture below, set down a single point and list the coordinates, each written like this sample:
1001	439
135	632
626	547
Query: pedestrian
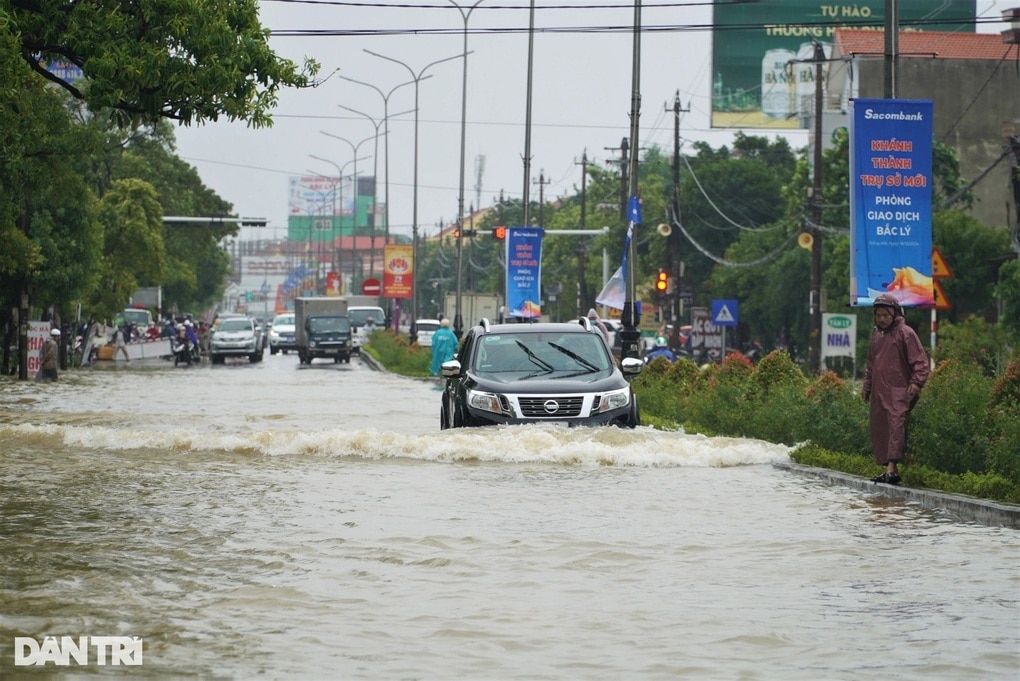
444	345
369	327
896	371
593	317
48	358
120	343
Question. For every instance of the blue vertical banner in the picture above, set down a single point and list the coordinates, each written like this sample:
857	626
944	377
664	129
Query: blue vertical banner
524	272
890	201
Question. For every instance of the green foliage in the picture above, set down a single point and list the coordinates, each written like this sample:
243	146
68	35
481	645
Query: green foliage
1008	290
191	61
984	486
398	354
976	341
973	252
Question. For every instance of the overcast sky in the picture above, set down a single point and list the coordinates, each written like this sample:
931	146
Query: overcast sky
582	84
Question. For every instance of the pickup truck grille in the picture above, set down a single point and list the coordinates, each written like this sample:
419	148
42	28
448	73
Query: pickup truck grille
551	407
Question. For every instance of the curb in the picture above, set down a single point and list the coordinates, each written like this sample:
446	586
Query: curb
959	506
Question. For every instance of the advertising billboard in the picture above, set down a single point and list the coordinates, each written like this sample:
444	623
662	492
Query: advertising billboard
890	201
762	73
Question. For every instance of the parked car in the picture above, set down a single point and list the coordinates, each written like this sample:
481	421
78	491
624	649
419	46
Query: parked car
426	327
537	373
235	336
281	334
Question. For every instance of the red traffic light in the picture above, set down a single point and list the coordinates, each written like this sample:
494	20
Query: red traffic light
499	233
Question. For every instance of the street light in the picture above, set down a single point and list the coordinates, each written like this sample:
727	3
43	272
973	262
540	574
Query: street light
375	175
386	132
458	323
315	250
337	255
417	78
354	225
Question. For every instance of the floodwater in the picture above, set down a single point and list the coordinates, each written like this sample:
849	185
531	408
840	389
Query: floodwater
296	522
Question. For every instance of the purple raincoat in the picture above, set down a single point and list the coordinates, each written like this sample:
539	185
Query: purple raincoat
895	360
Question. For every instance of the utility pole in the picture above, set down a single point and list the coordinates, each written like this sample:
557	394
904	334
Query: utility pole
815	301
630	336
673	264
624	163
582	285
541	182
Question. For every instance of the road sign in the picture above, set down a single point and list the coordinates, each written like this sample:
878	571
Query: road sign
941	301
939	269
724	312
370	287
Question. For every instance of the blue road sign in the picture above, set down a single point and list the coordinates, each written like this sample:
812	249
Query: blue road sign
724	312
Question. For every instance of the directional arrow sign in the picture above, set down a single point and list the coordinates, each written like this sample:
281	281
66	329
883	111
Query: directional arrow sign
724	312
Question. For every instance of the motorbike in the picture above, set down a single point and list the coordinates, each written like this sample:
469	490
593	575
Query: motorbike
182	351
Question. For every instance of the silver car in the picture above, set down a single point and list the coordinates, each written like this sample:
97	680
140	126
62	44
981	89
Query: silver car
236	337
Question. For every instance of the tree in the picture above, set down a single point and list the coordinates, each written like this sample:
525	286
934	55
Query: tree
186	60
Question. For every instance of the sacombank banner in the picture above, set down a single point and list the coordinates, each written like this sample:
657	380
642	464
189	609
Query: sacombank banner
890	200
524	272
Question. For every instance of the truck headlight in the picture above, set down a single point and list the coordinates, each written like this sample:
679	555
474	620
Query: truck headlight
484	401
614	400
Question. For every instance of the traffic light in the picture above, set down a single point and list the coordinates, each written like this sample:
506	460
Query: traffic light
662	281
499	233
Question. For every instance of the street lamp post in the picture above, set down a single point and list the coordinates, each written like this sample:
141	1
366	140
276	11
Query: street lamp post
354	223
316	249
416	79
386	133
337	254
375	174
458	322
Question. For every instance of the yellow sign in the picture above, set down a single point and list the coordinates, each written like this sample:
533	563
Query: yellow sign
939	268
941	302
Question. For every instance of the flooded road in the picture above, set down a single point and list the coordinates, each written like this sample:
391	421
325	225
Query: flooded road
313	522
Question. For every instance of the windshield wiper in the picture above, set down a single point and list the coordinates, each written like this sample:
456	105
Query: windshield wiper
533	357
576	357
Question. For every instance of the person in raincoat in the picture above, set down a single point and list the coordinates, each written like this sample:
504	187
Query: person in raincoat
48	358
444	345
896	371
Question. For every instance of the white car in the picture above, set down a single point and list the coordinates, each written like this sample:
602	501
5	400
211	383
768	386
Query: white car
426	327
281	334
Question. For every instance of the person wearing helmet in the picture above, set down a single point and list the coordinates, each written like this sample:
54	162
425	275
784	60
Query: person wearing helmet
48	358
661	349
896	371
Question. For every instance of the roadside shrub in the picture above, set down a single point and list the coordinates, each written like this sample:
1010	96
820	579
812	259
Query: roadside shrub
976	341
776	369
1004	418
835	416
949	428
398	354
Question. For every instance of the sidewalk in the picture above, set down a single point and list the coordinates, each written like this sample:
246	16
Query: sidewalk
965	508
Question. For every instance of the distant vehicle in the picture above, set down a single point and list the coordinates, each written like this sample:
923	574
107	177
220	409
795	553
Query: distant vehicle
322	329
559	373
426	327
235	336
359	314
281	334
140	318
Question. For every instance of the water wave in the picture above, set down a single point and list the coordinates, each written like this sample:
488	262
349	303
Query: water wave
641	447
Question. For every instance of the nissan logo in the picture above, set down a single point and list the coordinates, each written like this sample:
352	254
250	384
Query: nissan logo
551	406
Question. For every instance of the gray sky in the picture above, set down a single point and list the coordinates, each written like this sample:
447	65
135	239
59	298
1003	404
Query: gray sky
582	85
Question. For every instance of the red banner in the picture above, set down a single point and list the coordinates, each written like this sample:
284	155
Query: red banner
398	271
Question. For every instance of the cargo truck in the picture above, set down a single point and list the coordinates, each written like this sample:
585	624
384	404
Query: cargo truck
322	329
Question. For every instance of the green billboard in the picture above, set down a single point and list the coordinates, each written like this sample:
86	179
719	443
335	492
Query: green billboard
760	50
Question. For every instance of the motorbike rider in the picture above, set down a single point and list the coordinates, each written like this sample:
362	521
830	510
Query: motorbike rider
661	349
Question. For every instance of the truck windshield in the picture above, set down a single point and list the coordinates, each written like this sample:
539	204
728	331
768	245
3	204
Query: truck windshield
321	324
